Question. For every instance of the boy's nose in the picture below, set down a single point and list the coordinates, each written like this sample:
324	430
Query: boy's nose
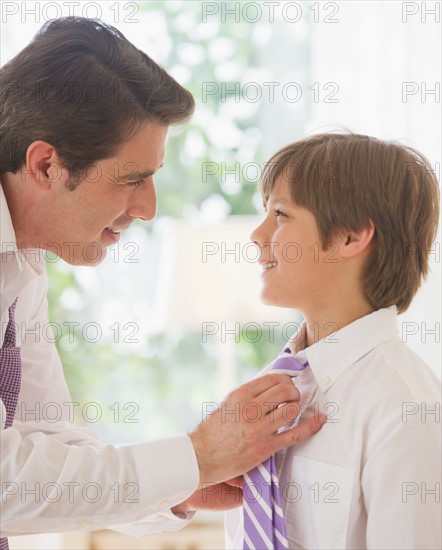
144	205
258	235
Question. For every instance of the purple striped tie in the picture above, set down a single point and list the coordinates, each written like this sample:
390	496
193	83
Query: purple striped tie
264	526
10	378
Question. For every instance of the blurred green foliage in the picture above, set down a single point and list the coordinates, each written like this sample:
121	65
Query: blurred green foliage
184	183
175	373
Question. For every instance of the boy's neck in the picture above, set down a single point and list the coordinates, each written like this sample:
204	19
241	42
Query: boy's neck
330	319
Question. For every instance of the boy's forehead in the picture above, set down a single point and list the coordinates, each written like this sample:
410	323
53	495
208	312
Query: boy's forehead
279	189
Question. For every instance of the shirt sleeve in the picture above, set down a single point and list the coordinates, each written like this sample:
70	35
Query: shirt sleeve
57	477
401	482
48	486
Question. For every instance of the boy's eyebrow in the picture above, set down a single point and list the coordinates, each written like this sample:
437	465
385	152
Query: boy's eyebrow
280	200
138	175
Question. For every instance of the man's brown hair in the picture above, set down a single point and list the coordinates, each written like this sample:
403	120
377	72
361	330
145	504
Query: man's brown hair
81	86
346	180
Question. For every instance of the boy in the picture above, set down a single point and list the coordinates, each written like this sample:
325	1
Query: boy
350	220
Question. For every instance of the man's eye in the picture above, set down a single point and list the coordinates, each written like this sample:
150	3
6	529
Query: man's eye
135	183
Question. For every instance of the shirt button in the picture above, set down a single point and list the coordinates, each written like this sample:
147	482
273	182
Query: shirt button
325	380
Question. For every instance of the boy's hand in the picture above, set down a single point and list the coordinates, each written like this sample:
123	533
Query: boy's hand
243	431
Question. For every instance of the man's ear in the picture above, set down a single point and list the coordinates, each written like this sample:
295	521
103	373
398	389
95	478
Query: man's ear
43	165
353	243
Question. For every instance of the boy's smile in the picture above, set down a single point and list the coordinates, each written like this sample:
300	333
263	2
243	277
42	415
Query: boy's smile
287	240
296	271
324	285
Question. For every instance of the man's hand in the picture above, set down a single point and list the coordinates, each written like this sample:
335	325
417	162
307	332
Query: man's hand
243	431
219	497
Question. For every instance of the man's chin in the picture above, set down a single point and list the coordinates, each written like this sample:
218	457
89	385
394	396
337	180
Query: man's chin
90	254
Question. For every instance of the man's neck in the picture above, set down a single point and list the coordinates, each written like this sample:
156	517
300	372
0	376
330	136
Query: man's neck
21	210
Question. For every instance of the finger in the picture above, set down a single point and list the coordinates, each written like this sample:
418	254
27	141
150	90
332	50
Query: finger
232	498
224	496
276	395
302	431
259	385
284	415
236	482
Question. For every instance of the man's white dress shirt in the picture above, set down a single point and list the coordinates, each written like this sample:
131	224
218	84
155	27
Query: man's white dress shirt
56	477
371	478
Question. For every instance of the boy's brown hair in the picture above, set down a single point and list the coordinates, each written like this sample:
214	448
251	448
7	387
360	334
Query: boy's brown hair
345	180
81	86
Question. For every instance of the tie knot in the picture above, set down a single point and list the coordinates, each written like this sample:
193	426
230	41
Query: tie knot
286	362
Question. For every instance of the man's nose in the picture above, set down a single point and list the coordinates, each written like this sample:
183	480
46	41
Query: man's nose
144	203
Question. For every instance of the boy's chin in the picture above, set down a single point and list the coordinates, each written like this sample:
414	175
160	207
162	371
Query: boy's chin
275	301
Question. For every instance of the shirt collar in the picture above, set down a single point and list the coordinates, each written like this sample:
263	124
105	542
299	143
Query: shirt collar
333	355
8	244
7	233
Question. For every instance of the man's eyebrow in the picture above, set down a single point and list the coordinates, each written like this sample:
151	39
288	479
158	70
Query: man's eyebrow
133	176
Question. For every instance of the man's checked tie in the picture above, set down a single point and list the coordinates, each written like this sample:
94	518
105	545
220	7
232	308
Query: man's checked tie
10	378
264	526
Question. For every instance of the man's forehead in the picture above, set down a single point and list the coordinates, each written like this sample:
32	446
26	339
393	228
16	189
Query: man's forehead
143	154
148	141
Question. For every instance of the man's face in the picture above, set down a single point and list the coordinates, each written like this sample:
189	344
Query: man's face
82	223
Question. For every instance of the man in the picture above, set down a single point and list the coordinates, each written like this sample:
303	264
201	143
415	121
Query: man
84	118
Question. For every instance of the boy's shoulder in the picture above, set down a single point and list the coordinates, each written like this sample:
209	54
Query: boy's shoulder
389	389
367	359
400	371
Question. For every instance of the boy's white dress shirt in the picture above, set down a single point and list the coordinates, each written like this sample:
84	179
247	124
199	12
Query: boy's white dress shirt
371	478
51	473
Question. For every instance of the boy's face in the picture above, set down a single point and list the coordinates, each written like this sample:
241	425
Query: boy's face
297	273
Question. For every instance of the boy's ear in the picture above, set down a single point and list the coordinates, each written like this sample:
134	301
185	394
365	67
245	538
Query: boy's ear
353	243
43	166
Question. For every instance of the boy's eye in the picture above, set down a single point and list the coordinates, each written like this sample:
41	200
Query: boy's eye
279	213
